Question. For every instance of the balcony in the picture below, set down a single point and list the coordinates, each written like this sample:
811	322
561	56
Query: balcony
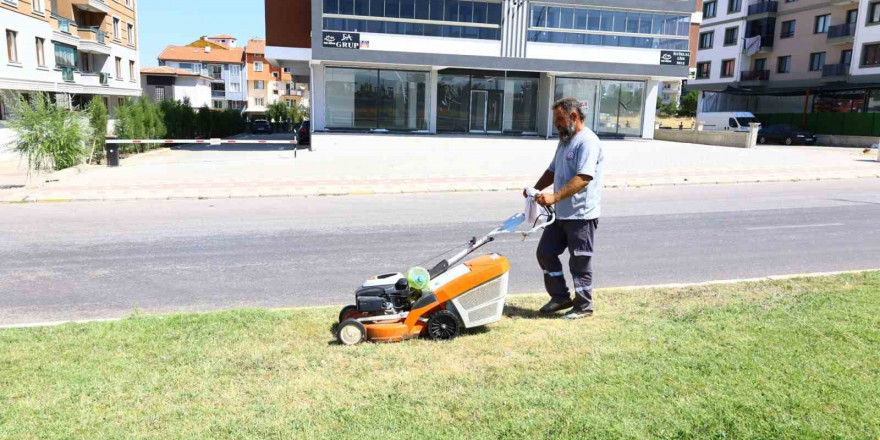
104	79
67	74
93	40
767	42
218	93
754	75
842	33
96	6
835	70
766	9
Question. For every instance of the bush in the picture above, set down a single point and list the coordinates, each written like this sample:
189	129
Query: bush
139	119
297	113
52	138
98	121
689	104
277	112
179	118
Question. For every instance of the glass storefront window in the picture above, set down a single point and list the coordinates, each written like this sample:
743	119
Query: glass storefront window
849	101
520	104
453	102
620	104
370	99
874	100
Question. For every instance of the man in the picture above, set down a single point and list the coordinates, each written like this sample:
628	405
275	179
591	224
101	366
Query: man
576	175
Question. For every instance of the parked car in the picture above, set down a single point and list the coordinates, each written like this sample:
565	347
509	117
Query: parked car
785	134
303	137
261	126
726	121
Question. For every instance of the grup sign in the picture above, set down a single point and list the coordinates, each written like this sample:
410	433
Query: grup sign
342	40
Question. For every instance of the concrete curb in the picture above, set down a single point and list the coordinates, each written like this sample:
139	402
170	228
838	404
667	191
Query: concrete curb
606	289
28	199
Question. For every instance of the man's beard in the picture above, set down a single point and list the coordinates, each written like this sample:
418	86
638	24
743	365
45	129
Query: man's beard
565	133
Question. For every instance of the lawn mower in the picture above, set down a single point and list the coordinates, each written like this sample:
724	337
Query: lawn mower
439	302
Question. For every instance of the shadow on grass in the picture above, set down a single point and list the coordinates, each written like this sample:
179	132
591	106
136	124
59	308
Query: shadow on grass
512	311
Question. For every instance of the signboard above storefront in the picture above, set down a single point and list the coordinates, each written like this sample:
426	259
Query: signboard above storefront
342	40
675	58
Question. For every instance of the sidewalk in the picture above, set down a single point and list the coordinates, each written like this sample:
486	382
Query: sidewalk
366	164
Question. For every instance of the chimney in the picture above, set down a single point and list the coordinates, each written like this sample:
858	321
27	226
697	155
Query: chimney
207	49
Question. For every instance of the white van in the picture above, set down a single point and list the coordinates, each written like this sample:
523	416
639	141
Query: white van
726	121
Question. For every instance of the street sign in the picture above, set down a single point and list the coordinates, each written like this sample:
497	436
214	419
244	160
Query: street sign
675	57
342	40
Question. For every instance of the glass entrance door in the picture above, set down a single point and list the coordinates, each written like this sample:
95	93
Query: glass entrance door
479	101
494	113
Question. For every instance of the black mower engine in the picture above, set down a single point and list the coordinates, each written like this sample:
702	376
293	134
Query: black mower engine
385	294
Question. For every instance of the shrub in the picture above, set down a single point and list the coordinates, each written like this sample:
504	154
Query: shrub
98	121
179	118
52	138
139	119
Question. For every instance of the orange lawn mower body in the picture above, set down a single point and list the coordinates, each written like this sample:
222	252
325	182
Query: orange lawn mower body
456	296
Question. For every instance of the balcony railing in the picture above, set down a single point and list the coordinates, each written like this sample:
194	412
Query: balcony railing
763	7
754	75
64	24
840	69
104	78
218	93
67	74
92	33
842	30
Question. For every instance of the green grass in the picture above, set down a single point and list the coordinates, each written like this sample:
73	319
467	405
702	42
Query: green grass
786	359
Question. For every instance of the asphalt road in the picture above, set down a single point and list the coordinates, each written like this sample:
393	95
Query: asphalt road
76	261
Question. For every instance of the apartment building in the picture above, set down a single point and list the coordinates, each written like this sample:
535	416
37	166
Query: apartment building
70	49
789	56
266	82
670	91
218	58
168	83
487	66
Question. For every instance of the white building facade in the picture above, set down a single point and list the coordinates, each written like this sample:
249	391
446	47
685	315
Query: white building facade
480	67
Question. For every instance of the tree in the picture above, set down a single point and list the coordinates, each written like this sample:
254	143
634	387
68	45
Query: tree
277	112
98	117
689	103
52	138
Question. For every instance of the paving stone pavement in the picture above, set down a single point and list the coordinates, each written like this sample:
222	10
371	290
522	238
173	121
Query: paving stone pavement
343	164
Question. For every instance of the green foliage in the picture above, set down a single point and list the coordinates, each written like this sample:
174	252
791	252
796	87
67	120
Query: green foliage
139	119
179	118
689	104
277	112
669	109
297	112
98	117
52	138
219	124
204	122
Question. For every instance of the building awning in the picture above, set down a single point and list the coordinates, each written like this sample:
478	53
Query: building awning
793	91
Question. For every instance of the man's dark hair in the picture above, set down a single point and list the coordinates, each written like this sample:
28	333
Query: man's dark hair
569	105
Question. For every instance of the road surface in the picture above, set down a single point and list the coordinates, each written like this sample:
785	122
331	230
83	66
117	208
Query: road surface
73	261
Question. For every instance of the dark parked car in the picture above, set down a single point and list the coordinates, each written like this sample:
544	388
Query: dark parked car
261	126
785	134
303	137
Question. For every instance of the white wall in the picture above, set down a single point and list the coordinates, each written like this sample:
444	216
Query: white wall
651	90
582	52
198	90
864	35
719	51
438	45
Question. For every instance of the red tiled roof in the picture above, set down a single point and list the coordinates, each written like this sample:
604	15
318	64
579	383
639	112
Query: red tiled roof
186	53
256	45
165	70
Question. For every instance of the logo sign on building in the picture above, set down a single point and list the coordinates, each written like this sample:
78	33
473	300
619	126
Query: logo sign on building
675	57
342	40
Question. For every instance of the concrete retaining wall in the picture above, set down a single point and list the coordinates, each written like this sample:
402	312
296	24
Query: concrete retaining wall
846	141
720	138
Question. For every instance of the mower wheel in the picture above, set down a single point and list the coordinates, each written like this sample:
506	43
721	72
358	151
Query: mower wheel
348	312
351	332
443	326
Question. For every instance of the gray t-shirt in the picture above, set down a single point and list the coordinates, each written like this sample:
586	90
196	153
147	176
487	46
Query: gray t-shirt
582	154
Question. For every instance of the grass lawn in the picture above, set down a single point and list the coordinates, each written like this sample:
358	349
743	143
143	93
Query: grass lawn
784	359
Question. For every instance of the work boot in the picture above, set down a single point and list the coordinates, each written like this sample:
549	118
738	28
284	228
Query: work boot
556	305
577	314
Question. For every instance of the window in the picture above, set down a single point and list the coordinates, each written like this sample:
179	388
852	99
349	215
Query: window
787	29
12	46
817	61
259	85
160	94
258	102
852	16
871	55
218	105
235	70
258	66
822	24
727	67
285	69
116	35
234	87
275	74
783	64
85	62
874	13
41	52
120	101
707	39
759	64
65	56
118	68
130	31
37	6
128	3
703	69
216	71
710	9
731	36
734	6
131	73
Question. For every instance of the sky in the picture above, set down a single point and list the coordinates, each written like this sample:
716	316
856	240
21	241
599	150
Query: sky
179	22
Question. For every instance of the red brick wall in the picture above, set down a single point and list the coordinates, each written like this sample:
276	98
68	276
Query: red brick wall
289	23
